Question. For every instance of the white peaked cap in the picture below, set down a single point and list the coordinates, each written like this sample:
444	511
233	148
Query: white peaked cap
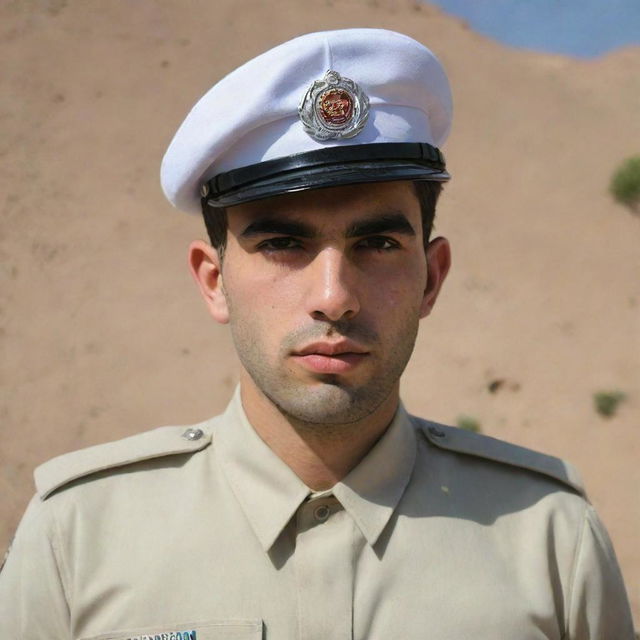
251	117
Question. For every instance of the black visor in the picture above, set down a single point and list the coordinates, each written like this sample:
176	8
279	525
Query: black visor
327	167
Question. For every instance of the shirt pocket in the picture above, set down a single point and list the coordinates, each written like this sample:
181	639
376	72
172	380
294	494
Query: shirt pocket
214	630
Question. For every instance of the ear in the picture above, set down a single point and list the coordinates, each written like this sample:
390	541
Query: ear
438	263
205	267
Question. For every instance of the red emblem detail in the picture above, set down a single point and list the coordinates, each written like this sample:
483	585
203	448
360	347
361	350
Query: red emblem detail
336	106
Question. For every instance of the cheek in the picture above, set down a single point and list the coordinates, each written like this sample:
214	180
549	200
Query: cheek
260	297
403	287
395	297
277	295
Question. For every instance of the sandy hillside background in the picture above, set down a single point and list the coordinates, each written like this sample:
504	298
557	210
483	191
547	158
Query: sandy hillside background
103	334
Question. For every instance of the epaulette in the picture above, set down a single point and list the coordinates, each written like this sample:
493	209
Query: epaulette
482	446
164	441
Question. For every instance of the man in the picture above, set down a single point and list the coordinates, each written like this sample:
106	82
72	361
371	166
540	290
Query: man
315	506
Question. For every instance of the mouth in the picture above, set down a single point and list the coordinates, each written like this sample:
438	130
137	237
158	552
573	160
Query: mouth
331	357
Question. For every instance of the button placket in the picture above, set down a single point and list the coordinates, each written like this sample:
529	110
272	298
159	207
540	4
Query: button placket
324	572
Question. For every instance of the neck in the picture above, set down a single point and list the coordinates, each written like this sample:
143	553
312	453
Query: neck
320	456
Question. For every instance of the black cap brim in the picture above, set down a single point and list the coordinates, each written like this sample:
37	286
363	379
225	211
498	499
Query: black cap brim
327	167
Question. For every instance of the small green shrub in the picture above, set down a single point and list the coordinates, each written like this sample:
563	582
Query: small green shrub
468	423
625	183
607	402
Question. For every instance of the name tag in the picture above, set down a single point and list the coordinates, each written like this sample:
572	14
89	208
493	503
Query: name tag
172	635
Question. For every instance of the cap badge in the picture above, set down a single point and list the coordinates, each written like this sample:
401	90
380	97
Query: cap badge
334	107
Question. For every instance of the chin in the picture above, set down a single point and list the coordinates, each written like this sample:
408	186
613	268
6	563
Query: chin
329	402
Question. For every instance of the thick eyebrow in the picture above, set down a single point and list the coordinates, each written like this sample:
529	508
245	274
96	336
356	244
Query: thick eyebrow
386	223
274	226
374	225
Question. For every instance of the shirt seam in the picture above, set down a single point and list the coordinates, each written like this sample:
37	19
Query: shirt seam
63	570
577	555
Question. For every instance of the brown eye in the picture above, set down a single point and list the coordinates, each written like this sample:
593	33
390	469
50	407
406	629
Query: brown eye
378	243
279	244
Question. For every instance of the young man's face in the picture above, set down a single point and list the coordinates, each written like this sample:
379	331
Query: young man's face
323	291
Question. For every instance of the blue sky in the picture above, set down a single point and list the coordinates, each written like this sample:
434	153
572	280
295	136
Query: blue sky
581	28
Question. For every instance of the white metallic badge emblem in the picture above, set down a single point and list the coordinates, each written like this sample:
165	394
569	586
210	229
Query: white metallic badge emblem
334	107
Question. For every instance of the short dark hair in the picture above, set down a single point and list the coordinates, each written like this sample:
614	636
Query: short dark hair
428	192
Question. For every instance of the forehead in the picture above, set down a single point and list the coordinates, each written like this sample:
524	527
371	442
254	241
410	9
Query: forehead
335	206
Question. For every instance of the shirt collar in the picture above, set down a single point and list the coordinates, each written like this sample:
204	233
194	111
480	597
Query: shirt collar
269	492
371	491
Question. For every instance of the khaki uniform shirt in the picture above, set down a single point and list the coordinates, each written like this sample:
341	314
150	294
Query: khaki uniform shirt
206	534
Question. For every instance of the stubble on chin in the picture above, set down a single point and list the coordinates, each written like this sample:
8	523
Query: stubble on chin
327	408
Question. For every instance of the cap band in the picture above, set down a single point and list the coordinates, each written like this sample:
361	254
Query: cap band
330	166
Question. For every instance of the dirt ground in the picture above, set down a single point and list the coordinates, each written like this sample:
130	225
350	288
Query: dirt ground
103	334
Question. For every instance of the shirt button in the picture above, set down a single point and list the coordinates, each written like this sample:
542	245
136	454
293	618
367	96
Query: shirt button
438	433
193	434
321	513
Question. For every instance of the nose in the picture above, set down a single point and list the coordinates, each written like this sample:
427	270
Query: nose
331	292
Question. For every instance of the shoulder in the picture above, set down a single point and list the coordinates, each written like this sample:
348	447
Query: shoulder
157	443
466	443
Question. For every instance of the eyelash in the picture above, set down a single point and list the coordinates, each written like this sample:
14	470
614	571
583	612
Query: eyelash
379	240
276	244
